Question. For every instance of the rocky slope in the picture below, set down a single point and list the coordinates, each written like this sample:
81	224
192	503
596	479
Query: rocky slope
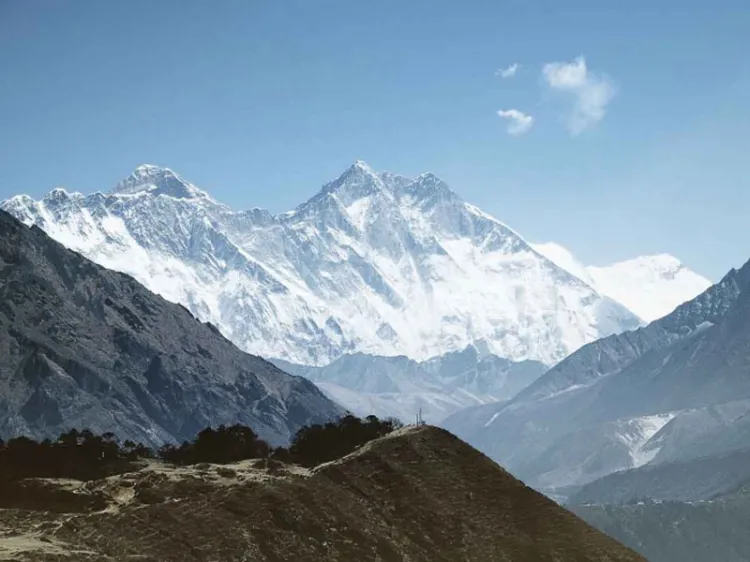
419	494
374	263
85	347
672	391
400	387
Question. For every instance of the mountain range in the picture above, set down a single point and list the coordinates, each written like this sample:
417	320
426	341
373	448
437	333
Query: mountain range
374	263
82	346
674	391
400	387
391	293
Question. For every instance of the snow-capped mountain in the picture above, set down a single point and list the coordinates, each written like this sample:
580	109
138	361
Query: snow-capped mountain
650	286
375	263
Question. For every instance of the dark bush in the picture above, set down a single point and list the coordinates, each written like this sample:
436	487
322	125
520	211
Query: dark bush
38	495
316	444
82	455
281	454
221	446
79	455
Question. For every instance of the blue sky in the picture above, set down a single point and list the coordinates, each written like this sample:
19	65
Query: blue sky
260	103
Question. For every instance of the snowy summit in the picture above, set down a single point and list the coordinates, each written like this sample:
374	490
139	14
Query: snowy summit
155	180
650	286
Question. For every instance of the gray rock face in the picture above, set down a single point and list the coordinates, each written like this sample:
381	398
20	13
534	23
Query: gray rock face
85	347
675	390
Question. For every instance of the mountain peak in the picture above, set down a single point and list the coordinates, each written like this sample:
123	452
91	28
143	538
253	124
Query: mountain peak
151	169
429	184
359	170
651	286
357	181
360	181
362	165
57	196
157	180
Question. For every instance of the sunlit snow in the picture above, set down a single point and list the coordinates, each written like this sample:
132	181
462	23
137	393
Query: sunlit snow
650	286
376	263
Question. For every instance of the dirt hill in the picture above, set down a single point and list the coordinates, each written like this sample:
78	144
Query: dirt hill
419	494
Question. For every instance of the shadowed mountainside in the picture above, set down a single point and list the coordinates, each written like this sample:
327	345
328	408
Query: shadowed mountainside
82	346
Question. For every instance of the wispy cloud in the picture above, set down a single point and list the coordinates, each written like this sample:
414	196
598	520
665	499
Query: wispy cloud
518	122
590	93
508	72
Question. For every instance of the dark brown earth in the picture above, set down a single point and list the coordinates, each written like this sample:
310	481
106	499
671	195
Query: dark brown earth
419	494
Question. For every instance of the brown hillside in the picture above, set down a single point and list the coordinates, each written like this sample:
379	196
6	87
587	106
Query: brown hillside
420	494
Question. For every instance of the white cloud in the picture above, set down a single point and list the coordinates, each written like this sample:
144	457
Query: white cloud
508	72
590	93
518	122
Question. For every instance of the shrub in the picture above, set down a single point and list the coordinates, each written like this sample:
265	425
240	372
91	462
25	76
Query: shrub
221	446
82	455
316	444
79	455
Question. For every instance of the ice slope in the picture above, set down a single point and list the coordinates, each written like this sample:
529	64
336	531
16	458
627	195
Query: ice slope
650	286
375	263
562	257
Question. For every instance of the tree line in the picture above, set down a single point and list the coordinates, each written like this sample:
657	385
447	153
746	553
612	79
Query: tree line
83	455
